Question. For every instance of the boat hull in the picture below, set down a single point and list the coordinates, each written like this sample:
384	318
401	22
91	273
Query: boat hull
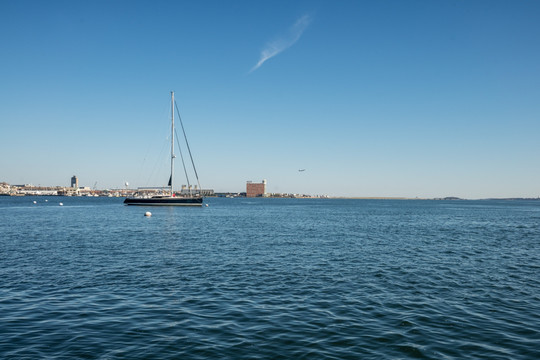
165	201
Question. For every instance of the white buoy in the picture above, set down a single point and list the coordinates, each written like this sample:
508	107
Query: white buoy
35	202
206	205
46	200
61	204
148	213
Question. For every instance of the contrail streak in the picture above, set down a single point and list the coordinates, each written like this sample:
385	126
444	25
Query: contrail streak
275	47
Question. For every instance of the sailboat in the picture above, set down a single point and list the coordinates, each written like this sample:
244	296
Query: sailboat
171	199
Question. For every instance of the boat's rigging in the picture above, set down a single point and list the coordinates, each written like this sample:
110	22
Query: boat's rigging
158	165
152	166
187	144
183	163
172	145
175	134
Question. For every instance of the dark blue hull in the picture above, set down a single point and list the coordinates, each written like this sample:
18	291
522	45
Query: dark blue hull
165	201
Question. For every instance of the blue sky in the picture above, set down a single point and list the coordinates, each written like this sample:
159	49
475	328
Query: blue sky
372	98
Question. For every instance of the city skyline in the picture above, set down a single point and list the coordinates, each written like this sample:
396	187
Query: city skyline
369	99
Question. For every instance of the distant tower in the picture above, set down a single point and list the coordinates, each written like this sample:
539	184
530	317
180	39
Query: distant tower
74	182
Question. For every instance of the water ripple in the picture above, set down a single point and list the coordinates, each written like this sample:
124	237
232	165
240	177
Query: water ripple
269	278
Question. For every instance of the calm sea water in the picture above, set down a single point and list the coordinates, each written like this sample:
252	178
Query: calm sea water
269	279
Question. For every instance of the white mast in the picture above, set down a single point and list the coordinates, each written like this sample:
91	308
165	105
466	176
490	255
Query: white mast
172	141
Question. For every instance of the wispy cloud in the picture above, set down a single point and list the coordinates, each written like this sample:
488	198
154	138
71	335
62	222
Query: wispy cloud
275	47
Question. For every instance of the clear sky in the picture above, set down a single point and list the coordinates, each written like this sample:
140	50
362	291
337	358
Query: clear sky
371	98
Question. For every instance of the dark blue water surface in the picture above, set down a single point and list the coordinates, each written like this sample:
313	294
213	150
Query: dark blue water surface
269	279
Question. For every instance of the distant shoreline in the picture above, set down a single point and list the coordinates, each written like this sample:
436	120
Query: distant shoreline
310	197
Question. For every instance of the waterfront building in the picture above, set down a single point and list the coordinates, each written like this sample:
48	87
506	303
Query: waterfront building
256	189
4	188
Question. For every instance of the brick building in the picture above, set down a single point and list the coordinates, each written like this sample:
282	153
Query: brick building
255	189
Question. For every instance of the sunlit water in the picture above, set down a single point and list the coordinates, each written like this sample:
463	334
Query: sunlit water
269	279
